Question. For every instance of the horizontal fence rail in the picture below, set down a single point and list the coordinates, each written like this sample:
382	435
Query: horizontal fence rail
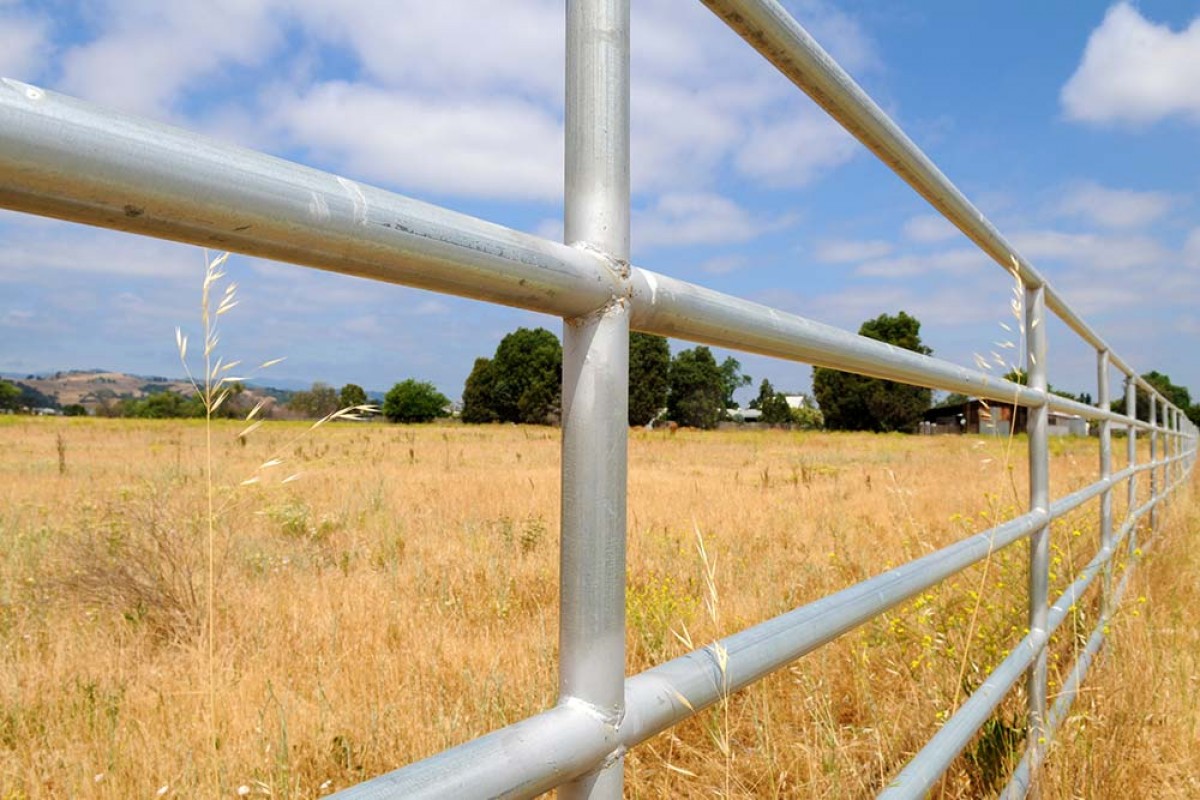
63	158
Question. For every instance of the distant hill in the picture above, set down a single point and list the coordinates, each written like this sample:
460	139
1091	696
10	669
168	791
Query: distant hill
92	388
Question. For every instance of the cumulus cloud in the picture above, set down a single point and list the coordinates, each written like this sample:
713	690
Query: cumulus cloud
842	251
40	254
24	44
941	305
1135	71
792	152
680	219
484	147
723	265
1191	249
681	135
1115	208
470	47
1091	251
146	55
958	260
460	99
929	228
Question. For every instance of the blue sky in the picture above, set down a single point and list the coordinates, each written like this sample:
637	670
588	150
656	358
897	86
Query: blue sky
1072	125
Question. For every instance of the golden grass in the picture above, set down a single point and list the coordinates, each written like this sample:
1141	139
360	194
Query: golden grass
401	598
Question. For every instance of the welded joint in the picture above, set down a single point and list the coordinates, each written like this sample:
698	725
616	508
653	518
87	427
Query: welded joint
619	267
620	275
610	718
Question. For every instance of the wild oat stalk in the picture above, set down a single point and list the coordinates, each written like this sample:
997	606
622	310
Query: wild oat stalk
213	392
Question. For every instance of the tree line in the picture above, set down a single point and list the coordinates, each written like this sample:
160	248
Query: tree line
522	383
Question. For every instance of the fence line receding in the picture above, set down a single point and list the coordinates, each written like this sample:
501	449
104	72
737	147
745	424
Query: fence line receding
63	158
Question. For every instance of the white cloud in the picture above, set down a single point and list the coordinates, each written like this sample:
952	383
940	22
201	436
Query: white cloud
839	33
681	219
723	265
1115	208
1090	297
483	147
1134	71
936	306
1188	324
929	228
701	99
461	98
18	318
470	46
841	251
1090	250
550	228
680	135
794	151
147	54
1191	249
24	45
429	308
959	260
40	254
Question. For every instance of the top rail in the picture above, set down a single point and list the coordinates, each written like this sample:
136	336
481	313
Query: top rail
159	180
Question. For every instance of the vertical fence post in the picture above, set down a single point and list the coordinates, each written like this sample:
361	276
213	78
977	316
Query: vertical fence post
1168	449
1176	432
1039	499
1131	450
1153	417
596	380
1106	526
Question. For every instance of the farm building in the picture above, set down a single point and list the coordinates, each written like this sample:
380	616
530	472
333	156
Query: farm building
978	416
743	414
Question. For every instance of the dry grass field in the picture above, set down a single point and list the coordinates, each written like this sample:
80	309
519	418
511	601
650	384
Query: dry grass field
400	597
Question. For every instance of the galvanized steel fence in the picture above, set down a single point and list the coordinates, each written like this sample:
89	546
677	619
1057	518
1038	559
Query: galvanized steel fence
63	158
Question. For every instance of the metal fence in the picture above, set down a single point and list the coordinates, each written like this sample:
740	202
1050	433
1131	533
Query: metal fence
63	158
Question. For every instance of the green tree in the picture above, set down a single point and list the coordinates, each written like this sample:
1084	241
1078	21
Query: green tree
697	389
953	399
649	373
320	401
527	370
773	405
414	401
807	419
1179	395
1019	376
352	395
162	405
521	383
74	410
9	396
477	394
732	379
32	398
856	403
